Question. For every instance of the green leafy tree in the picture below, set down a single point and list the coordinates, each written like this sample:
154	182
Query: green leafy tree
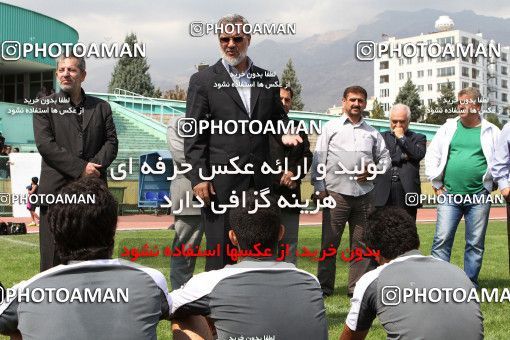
493	118
444	108
132	74
157	93
377	111
289	78
408	95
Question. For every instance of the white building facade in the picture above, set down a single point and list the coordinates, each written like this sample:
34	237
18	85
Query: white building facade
486	71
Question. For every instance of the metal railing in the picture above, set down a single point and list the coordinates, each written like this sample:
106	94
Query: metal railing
122	95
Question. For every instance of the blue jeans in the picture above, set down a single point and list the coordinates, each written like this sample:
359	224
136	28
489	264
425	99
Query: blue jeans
476	215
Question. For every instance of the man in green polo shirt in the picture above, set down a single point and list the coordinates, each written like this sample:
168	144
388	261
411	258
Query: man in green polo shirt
458	163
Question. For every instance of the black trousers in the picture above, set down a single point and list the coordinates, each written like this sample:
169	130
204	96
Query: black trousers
216	228
397	198
49	256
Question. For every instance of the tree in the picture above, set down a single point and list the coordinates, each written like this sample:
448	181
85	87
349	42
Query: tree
289	78
157	93
377	111
493	118
408	95
444	108
131	73
178	93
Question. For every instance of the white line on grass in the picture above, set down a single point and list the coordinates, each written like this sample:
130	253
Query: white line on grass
18	241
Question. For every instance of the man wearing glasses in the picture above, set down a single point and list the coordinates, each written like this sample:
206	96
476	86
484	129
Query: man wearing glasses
235	90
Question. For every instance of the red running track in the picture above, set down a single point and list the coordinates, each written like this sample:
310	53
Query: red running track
137	222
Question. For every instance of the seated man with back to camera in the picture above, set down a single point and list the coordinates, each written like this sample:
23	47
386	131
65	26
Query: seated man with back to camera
104	298
258	296
404	272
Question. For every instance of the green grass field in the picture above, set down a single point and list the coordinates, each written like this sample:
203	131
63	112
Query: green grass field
19	256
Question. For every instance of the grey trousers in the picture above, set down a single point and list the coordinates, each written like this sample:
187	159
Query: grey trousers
188	231
290	220
355	211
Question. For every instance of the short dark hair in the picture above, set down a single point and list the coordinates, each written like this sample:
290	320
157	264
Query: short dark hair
84	231
392	231
81	59
263	226
355	89
288	88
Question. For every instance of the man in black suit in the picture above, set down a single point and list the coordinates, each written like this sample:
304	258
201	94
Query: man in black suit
299	159
407	149
251	94
76	137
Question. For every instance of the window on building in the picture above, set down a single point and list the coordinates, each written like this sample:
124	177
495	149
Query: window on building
445	58
504	70
441	85
421	88
385	92
401	62
429	87
446	71
429	102
446	40
409	75
384	65
504	97
421	74
465	71
409	61
465	84
38	80
504	56
475	85
429	73
384	79
504	83
474	73
401	75
421	59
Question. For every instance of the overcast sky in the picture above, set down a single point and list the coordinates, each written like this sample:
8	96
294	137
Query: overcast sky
172	52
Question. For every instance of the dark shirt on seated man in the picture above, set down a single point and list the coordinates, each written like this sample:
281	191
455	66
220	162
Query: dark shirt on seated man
257	297
403	291
91	296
